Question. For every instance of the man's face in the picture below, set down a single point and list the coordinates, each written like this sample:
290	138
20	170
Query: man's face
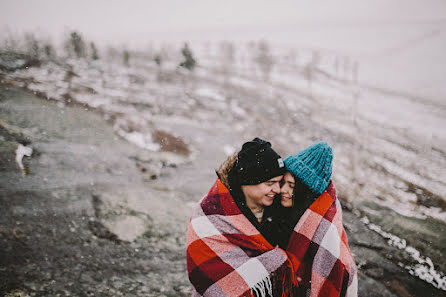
261	195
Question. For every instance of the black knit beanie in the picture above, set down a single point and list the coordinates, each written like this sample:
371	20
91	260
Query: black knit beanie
257	162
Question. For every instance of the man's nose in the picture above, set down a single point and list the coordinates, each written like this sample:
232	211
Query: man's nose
276	188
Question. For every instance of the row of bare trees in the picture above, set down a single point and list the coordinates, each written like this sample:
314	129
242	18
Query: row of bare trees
76	46
258	56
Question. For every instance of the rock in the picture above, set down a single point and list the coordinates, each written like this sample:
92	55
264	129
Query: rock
14	147
375	272
17	293
11	132
7	156
398	288
371	288
86	277
99	230
127	228
167	159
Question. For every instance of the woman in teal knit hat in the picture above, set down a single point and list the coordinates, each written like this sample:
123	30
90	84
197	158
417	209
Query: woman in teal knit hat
310	227
308	175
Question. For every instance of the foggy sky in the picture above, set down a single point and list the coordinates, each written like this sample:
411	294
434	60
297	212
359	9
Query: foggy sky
136	22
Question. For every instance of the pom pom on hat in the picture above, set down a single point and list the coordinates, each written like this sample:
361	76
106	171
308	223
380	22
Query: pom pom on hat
313	166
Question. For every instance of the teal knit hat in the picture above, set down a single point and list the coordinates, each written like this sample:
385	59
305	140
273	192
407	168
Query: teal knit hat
312	166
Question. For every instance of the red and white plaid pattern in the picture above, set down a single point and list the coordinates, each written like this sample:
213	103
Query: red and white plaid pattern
319	250
226	254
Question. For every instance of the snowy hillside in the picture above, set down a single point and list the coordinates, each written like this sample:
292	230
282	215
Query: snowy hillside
389	147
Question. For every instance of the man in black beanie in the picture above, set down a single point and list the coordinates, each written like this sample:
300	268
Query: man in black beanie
226	256
253	178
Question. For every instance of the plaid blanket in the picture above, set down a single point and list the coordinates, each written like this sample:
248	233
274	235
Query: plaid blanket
226	254
319	251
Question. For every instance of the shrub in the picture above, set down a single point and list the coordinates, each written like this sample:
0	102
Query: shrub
189	61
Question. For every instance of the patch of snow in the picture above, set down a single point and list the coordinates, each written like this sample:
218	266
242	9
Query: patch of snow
209	93
141	140
236	109
424	270
20	152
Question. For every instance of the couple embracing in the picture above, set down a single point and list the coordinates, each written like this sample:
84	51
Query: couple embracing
271	227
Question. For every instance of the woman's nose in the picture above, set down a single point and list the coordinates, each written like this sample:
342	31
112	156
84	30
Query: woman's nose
282	189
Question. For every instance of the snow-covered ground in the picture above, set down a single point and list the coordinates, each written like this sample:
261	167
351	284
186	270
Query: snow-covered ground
389	145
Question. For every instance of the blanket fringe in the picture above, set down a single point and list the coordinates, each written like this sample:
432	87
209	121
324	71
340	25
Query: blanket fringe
263	288
289	280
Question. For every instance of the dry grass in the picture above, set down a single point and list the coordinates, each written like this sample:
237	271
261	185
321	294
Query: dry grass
170	143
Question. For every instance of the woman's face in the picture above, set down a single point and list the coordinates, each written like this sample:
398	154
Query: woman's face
287	190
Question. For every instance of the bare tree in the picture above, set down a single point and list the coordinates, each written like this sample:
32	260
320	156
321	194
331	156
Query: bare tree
94	51
346	67
75	45
292	57
126	57
336	65
228	58
32	46
49	51
310	70
355	72
264	59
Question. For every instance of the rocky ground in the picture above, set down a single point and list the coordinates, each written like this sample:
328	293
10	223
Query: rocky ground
63	224
65	217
